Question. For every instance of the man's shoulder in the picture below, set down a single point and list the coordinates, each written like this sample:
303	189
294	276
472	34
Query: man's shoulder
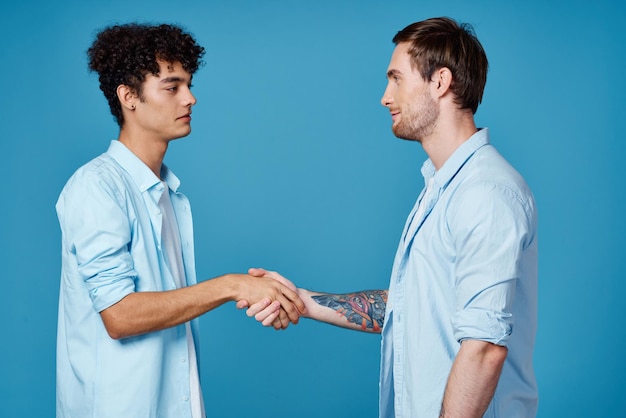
101	171
487	165
488	178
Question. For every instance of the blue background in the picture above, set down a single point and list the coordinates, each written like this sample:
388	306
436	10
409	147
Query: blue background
292	165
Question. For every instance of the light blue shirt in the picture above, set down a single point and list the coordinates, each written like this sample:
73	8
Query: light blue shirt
111	246
466	268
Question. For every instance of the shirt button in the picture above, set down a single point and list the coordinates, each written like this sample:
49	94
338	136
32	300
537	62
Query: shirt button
183	359
185	398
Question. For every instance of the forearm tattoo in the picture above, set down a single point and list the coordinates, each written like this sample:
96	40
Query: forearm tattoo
366	308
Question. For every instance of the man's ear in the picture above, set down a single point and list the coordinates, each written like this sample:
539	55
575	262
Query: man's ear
127	97
442	80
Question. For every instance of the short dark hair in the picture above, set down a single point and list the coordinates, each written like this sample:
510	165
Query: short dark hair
442	42
125	54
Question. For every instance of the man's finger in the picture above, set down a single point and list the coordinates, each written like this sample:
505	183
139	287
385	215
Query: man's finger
258	307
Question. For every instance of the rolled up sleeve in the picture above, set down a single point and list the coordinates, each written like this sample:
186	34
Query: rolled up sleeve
96	230
490	227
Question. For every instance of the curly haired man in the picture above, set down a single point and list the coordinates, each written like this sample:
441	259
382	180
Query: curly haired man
127	341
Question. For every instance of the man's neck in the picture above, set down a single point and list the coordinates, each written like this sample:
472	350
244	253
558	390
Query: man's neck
150	151
449	134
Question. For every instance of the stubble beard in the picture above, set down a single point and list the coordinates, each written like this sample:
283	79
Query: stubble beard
419	120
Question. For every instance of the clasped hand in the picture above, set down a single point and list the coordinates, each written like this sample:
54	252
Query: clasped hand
276	313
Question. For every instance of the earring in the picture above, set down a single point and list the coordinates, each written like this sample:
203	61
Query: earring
133	107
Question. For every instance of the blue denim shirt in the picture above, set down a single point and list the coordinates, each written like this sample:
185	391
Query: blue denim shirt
111	246
465	269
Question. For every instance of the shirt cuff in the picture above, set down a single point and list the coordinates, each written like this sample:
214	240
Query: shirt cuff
483	325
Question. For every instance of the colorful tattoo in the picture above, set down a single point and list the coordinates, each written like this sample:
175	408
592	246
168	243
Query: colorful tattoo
366	308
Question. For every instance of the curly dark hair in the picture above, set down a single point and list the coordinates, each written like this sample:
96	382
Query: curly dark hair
125	54
442	42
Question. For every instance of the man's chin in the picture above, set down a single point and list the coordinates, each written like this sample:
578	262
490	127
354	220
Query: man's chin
399	133
182	135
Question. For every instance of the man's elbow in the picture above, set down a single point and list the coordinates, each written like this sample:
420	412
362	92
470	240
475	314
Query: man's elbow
500	353
495	355
113	323
489	354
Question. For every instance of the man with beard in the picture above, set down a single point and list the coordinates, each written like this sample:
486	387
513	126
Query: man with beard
458	321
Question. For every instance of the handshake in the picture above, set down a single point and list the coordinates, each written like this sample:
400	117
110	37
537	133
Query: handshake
275	301
285	303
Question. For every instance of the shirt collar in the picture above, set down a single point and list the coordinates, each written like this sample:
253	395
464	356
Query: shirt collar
452	165
170	178
139	172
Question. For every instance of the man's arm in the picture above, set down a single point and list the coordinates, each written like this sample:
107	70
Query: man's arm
143	312
473	379
362	311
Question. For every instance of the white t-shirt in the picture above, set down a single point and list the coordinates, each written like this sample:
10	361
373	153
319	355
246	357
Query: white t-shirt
170	239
